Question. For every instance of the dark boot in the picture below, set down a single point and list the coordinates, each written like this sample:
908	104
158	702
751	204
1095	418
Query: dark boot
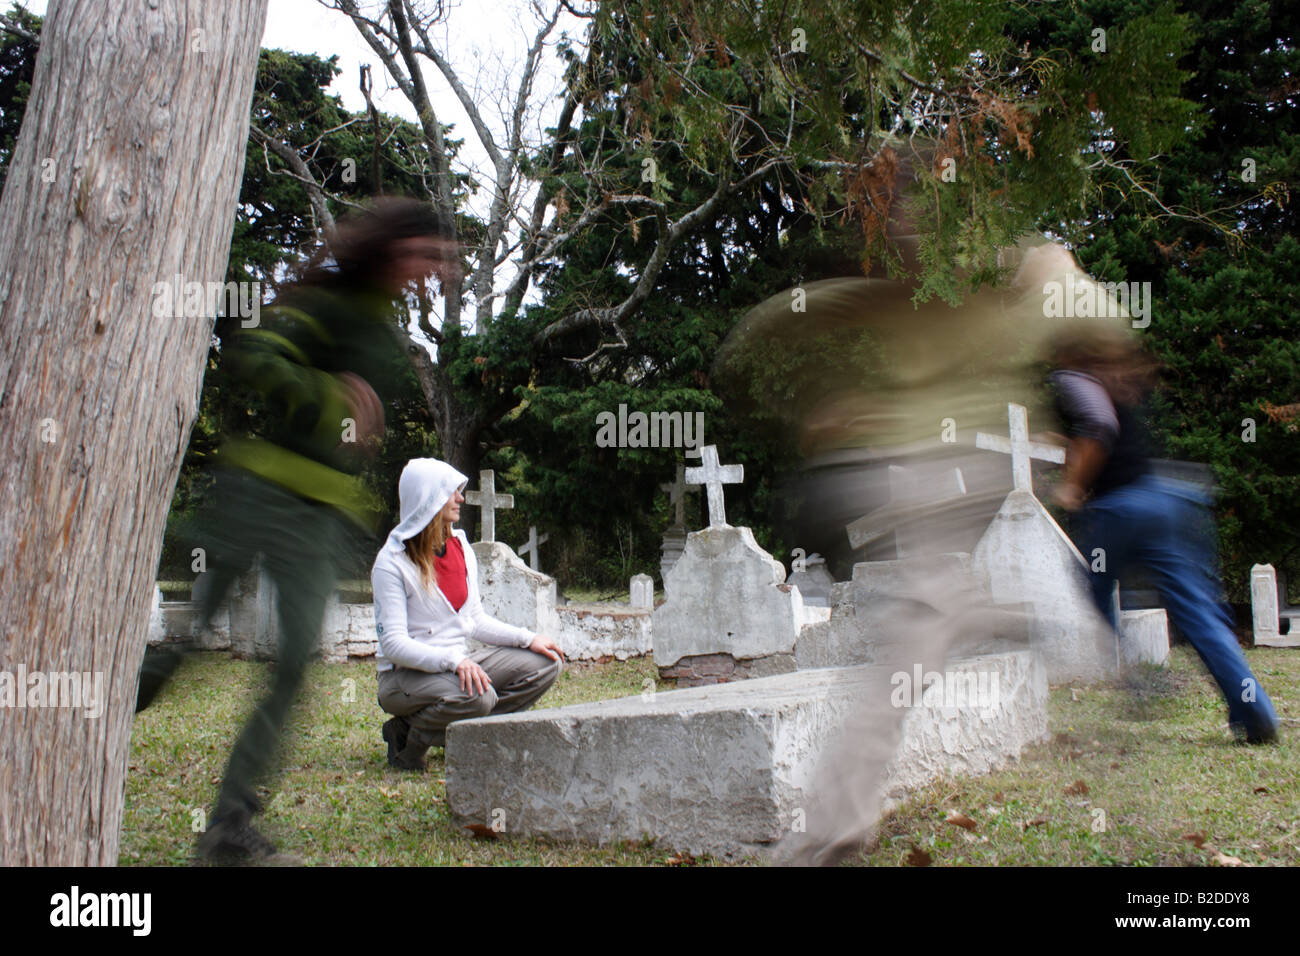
395	732
411	756
230	838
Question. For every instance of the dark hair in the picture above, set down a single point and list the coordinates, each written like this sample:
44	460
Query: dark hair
360	247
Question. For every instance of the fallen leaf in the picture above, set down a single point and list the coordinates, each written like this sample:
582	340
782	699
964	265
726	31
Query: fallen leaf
359	773
680	859
1076	789
1037	821
390	794
1114	766
482	832
1224	860
1261	789
999	797
1196	839
958	819
918	857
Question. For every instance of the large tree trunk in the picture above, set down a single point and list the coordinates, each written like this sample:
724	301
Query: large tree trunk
142	107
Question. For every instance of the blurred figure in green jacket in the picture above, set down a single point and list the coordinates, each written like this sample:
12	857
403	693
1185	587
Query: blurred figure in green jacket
320	357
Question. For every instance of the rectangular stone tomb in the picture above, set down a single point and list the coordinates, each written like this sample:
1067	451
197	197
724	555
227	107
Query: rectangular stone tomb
716	770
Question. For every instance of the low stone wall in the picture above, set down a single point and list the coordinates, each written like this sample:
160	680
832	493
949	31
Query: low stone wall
585	632
594	631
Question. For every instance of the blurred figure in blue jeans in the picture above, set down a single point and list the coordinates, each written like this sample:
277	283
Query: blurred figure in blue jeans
1139	519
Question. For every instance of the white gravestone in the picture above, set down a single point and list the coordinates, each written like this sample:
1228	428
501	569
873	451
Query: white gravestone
1265	610
675	537
513	592
642	591
530	547
726	601
1025	557
812	579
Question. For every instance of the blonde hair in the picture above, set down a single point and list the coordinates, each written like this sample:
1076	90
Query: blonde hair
424	547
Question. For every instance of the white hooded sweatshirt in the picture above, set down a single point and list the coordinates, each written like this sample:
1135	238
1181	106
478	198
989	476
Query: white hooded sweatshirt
417	626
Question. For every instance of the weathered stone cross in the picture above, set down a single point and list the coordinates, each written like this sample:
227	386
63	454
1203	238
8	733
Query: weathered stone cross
1020	448
488	500
677	491
530	548
713	476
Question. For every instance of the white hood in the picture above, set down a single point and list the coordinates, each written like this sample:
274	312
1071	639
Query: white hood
425	486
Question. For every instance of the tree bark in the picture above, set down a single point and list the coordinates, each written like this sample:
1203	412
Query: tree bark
126	173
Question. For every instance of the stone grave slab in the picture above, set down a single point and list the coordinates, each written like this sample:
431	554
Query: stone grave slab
719	770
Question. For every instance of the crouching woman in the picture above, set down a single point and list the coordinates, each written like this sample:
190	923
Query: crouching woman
426	605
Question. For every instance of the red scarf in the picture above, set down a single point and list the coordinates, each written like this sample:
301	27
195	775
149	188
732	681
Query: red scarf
452	577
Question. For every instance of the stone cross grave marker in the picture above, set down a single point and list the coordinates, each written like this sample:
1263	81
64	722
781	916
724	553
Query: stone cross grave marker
530	548
677	492
488	500
713	476
1020	448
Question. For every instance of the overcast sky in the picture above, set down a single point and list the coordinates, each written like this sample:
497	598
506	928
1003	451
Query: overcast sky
484	39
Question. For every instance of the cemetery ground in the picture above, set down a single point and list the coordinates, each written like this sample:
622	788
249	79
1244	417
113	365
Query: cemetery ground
1151	753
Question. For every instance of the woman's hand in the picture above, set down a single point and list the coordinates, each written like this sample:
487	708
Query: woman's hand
473	679
546	647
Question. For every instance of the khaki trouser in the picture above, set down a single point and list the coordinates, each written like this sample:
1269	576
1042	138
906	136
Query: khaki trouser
429	702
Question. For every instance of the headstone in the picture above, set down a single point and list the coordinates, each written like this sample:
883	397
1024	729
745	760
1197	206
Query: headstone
513	592
675	537
1024	556
713	476
487	499
812	579
725	770
1265	610
253	614
157	626
642	591
674	544
1144	637
530	547
728	613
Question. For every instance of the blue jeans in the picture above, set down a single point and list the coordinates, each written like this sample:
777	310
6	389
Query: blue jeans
1164	526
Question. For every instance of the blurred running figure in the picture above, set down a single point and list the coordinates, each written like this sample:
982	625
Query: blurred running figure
1139	519
323	353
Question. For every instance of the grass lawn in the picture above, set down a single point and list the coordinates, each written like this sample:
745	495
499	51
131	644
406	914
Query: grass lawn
1155	757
